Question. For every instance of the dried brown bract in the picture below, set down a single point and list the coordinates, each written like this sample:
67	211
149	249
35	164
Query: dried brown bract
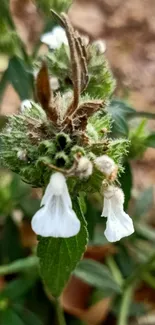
74	118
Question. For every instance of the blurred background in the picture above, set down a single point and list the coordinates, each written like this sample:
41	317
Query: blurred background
124	31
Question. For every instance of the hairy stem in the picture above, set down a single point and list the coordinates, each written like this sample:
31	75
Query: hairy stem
59	312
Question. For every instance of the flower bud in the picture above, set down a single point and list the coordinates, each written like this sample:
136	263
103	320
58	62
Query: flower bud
26	105
22	154
84	168
100	44
105	164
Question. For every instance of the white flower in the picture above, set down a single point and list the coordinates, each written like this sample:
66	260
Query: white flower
55	38
119	224
26	105
105	164
56	218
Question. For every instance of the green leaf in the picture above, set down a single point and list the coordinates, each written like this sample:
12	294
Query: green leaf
19	77
5	13
59	256
150	141
120	107
9	317
145	115
97	275
26	315
18	288
92	218
119	112
75	321
144	202
21	265
3	83
11	249
145	231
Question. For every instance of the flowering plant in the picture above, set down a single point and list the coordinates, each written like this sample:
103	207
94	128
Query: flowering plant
62	144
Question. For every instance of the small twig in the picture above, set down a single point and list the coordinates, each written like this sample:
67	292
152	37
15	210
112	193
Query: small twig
51	166
67	172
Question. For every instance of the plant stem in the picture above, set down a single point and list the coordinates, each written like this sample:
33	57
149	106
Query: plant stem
125	306
59	312
129	287
115	270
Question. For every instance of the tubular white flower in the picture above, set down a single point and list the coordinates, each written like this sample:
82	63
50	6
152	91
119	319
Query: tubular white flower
119	224
26	105
105	164
56	218
55	38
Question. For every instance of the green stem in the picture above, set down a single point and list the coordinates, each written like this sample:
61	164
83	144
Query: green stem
139	271
149	279
129	288
59	312
114	270
125	306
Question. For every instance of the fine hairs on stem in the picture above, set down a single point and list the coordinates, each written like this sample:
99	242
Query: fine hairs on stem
59	312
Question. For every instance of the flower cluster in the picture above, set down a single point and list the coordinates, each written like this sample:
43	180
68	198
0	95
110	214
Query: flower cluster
64	138
57	219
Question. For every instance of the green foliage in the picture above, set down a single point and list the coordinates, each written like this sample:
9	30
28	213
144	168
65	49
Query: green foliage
27	316
57	5
18	266
143	203
16	72
101	83
126	183
150	141
59	256
9	43
119	111
97	275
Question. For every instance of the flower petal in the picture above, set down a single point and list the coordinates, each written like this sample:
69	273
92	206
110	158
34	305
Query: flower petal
118	226
56	220
106	208
56	186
